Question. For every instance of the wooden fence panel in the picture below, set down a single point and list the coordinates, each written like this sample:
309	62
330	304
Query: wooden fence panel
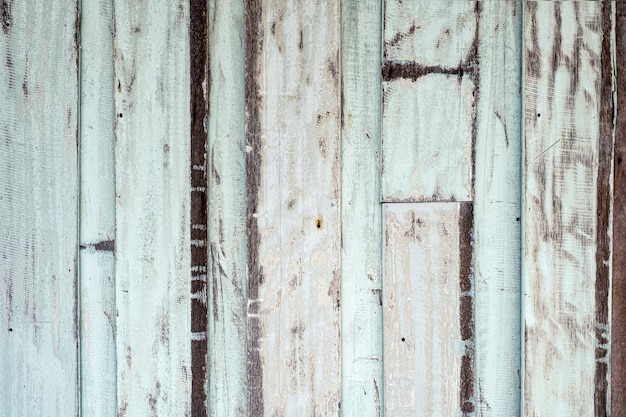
567	164
361	283
293	81
153	265
39	208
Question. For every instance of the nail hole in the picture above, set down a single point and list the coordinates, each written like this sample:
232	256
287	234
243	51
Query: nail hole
538	114
120	115
318	223
10	329
403	339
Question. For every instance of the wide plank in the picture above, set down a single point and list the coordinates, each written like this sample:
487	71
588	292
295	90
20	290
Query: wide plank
361	283
293	105
565	274
97	211
427	300
497	211
227	370
152	163
430	73
39	208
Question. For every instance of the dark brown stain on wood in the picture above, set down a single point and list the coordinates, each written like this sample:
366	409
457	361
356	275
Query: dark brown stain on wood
199	75
466	313
603	242
254	160
618	305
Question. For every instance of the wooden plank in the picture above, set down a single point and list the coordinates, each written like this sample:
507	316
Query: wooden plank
429	52
293	173
618	287
153	265
97	211
497	225
564	317
361	284
428	327
228	379
39	208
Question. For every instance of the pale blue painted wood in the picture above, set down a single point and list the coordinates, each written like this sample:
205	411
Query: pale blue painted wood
227	301
561	136
39	209
361	283
97	211
497	225
152	163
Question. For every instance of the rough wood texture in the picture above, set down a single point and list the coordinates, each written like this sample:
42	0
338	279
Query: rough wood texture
227	376
430	81
565	328
361	284
427	287
497	225
618	301
97	211
153	267
39	208
293	174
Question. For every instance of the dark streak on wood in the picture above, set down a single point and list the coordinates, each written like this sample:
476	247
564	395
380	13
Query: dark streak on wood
104	246
466	313
199	75
254	159
605	151
533	55
7	17
618	305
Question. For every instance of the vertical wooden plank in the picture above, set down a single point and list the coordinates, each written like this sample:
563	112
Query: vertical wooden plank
153	262
39	208
228	387
198	77
618	300
361	284
427	293
564	317
293	224
97	211
497	225
430	51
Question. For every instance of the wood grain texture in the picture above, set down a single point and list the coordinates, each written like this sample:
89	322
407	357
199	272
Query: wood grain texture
618	299
97	211
293	174
39	208
565	336
497	225
427	287
227	372
361	284
430	76
153	265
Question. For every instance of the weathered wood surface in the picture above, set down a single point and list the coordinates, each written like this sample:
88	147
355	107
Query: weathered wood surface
427	288
361	284
39	208
565	261
618	295
430	71
497	225
227	371
97	211
152	162
293	104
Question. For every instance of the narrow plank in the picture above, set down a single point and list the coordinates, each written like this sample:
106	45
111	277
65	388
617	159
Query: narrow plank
227	381
293	215
618	288
430	50
97	211
198	77
361	284
428	323
153	265
39	208
564	326
497	211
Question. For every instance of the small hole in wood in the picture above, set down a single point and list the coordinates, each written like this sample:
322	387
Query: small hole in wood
538	114
403	339
517	219
10	329
120	115
619	159
318	222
